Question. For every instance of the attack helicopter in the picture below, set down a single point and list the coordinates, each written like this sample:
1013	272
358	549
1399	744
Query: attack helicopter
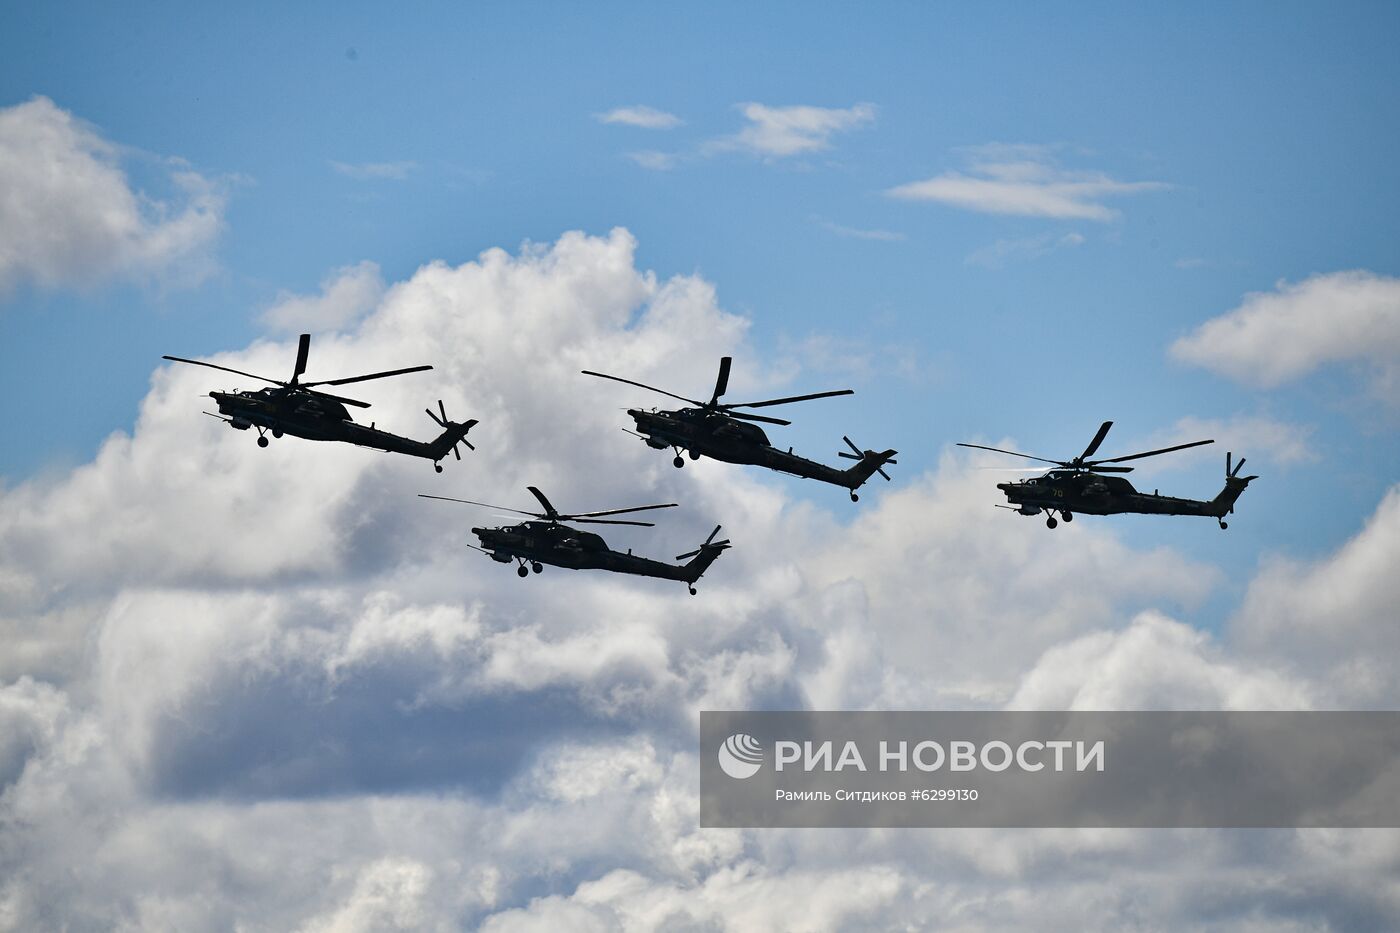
1080	485
547	540
300	409
716	430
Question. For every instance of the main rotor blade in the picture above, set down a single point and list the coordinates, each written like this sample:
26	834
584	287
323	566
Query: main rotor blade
1014	453
1108	469
181	359
549	510
1098	439
339	398
342	382
748	417
303	348
609	521
789	399
486	505
637	508
1153	453
722	383
641	385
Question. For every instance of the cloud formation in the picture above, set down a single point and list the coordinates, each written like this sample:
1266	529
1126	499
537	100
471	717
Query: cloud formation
654	160
648	118
1260	438
779	132
1023	181
69	215
346	295
861	233
272	688
998	254
375	171
1277	336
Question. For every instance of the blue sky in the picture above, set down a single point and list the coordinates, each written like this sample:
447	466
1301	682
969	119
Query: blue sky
999	224
1264	125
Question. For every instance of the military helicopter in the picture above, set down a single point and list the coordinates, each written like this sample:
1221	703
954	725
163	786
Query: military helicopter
547	540
299	409
719	431
1079	485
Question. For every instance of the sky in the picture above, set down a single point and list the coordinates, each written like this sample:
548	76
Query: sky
999	224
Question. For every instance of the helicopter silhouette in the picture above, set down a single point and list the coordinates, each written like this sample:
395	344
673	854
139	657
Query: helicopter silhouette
717	430
1080	485
300	409
547	540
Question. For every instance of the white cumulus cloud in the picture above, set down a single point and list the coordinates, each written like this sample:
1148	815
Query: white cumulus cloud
69	215
272	689
1277	336
346	295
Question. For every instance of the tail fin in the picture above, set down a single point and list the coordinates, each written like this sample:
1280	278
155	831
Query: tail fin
452	434
702	557
1234	485
870	464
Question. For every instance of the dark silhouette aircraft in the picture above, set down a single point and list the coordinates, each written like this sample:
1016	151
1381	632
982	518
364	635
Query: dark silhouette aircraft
1080	485
547	540
714	429
300	409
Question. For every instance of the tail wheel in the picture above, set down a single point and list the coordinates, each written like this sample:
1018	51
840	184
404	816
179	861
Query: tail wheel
692	590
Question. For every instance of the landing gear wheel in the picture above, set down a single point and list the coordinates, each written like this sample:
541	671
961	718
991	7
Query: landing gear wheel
678	462
262	441
537	567
437	467
1224	524
694	454
276	432
1067	516
523	571
692	590
1050	522
855	498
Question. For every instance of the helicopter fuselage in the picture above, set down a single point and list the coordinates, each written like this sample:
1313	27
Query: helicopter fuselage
317	418
720	437
1071	491
556	544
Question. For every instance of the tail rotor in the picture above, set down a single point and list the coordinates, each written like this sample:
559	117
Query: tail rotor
443	423
710	544
859	454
